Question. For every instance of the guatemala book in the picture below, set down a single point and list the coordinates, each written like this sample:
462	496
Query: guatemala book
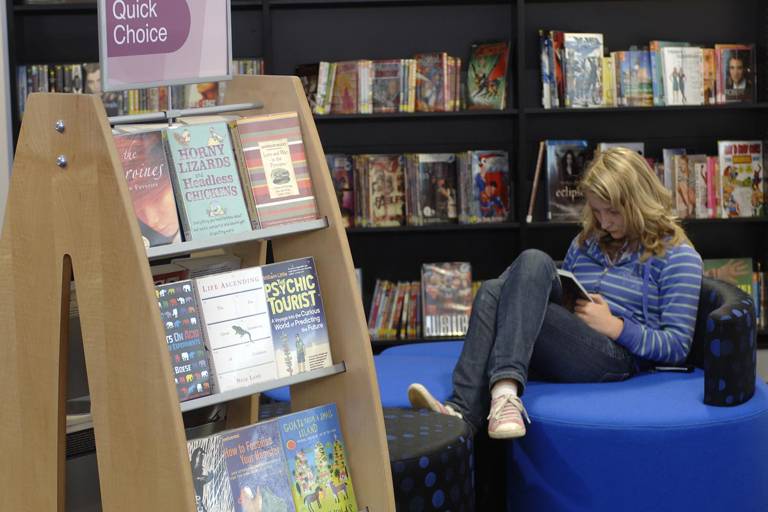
487	76
237	327
146	170
257	469
184	337
206	181
742	178
209	475
274	165
297	318
317	462
446	298
566	162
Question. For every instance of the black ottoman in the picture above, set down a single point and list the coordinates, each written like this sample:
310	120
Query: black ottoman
431	455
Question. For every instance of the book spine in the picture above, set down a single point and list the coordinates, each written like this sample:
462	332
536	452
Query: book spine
245	178
177	190
213	374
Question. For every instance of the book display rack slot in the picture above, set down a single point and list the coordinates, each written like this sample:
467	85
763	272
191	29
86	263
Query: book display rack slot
69	212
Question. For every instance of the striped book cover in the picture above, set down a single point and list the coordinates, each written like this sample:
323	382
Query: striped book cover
273	155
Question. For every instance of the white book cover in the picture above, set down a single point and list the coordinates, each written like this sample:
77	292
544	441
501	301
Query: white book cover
237	326
583	69
741	178
697	164
683	75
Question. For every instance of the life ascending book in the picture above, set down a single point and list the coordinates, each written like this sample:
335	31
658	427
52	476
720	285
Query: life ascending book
274	165
297	317
237	327
206	181
487	76
184	337
742	178
257	469
147	174
446	298
209	475
317	462
566	162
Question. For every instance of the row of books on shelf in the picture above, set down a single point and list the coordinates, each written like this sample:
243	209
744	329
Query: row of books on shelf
747	276
297	462
228	327
428	82
377	190
86	78
438	306
729	185
219	177
578	72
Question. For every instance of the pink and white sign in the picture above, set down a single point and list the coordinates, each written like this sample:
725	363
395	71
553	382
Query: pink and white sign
145	43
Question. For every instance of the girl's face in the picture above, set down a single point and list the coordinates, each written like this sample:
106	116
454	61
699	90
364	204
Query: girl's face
607	216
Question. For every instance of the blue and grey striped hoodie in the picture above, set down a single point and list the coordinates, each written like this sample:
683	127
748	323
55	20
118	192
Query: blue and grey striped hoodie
657	299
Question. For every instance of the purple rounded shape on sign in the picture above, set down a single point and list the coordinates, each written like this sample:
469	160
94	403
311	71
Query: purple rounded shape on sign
145	27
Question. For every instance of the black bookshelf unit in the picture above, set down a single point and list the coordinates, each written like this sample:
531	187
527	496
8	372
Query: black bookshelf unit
291	32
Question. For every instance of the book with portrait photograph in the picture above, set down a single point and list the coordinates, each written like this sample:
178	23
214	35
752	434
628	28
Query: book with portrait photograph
566	162
735	72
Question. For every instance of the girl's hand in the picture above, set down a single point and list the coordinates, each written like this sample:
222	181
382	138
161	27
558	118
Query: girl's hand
598	316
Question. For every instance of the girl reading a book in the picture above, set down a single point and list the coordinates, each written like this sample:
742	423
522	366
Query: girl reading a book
642	273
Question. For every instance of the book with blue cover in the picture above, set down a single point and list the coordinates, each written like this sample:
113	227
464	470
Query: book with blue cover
297	316
206	181
317	463
257	469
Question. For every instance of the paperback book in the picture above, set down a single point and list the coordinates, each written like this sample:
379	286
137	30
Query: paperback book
432	188
487	76
566	162
206	181
385	179
583	71
298	327
386	83
342	176
742	178
446	298
147	174
736	271
237	327
736	77
484	185
431	82
317	462
209	475
184	337
274	166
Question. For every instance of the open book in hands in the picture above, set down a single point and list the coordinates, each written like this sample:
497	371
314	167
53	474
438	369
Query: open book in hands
572	289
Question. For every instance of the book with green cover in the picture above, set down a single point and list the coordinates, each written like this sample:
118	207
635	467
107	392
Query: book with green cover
206	181
736	271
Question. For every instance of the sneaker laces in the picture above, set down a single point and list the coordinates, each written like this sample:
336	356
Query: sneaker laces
498	411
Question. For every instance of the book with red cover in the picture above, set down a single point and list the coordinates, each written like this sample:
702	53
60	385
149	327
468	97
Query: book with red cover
145	166
274	167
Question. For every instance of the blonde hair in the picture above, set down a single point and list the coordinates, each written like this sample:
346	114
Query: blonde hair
622	178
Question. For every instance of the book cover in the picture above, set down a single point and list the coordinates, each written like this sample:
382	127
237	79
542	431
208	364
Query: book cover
566	162
742	178
683	75
386	85
583	73
237	327
657	68
697	165
184	336
209	475
487	76
609	81
668	155
340	167
547	80
640	79
317	462
297	317
257	469
206	181
685	186
446	298
490	186
147	174
345	88
735	72
736	271
709	76
431	82
435	194
386	190
278	173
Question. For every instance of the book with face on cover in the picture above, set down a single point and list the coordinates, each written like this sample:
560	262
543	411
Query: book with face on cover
147	174
206	181
566	162
237	327
275	169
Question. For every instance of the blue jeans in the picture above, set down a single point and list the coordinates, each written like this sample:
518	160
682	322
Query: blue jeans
517	325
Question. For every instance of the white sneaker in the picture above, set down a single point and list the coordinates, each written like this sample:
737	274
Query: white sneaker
421	398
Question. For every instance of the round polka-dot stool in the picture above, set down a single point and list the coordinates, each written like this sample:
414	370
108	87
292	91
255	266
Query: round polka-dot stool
431	456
